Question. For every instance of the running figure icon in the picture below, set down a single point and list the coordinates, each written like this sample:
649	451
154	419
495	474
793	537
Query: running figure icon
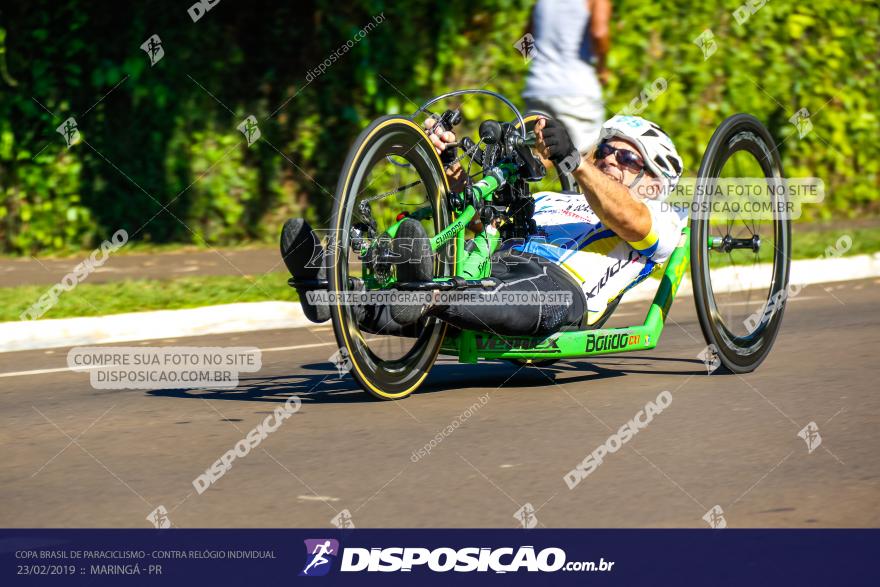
319	552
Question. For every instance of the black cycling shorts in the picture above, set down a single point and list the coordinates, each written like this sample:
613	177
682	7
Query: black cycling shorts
521	276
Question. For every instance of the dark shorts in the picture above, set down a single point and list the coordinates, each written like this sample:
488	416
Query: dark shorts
520	276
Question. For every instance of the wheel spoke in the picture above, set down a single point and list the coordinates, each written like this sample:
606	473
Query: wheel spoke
392	192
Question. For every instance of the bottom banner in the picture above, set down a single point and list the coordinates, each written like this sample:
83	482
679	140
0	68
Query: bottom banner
363	557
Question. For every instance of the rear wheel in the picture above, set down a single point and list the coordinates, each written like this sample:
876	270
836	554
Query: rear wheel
740	259
392	168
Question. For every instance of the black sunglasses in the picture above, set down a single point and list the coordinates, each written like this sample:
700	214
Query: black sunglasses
629	159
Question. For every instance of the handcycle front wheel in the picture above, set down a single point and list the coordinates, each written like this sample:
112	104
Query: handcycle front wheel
392	167
740	262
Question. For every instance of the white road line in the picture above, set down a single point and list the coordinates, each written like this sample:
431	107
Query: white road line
316	498
297	347
43	371
63	369
268	350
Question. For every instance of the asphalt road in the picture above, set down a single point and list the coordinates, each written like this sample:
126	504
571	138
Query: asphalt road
79	457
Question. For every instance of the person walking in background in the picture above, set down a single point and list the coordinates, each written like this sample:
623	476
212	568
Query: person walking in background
566	75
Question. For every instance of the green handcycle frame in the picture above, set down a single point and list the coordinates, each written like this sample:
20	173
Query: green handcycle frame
470	346
460	268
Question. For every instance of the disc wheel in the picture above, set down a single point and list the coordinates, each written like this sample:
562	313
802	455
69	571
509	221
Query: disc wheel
740	260
391	168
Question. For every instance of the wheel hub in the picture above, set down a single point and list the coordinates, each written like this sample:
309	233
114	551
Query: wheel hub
727	243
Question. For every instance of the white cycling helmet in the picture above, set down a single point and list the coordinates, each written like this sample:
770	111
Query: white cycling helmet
653	143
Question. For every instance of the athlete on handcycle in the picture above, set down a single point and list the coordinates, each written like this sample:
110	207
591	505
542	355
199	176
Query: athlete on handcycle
594	246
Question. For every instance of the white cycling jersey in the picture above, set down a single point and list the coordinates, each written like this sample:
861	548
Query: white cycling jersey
571	235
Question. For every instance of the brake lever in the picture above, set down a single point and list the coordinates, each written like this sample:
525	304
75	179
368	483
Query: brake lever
449	119
534	169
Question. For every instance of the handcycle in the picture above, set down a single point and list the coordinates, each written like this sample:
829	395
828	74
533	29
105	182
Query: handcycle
392	172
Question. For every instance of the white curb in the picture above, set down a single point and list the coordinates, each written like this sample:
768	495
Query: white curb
803	272
247	317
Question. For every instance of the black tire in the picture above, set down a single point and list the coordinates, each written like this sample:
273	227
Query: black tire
386	138
740	352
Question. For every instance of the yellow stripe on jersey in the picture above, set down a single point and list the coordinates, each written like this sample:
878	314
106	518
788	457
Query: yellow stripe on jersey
647	245
574	272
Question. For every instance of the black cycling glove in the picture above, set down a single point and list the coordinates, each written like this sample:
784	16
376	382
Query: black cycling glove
563	153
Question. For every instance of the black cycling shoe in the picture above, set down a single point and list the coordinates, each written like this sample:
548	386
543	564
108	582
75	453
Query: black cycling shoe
414	262
304	257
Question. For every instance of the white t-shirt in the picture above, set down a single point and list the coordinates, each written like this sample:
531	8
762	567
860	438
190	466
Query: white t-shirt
572	236
562	53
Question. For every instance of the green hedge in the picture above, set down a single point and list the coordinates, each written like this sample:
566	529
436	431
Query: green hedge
180	171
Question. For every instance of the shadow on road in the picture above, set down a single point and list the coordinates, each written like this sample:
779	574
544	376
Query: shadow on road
623	365
325	386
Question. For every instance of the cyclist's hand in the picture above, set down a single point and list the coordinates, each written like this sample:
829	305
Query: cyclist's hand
441	141
554	143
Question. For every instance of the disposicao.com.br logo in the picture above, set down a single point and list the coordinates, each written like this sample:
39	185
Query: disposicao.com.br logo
441	560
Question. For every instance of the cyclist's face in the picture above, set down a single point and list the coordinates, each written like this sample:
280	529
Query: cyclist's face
621	167
624	168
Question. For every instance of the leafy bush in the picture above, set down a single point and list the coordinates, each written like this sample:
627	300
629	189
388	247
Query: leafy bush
164	160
